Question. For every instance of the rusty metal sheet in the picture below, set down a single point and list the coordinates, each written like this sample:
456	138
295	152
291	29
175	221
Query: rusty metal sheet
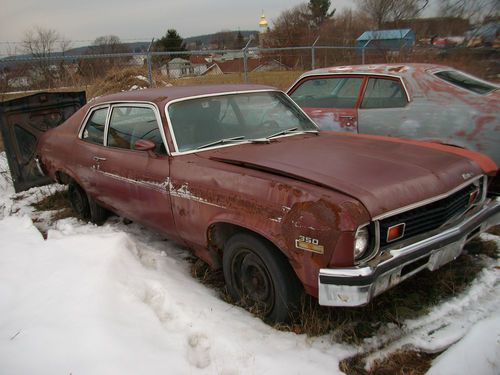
23	120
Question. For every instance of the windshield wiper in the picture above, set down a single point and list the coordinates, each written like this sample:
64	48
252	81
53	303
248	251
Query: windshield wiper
221	141
291	130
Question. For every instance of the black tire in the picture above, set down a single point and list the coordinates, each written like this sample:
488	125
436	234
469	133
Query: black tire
79	201
260	278
84	206
98	214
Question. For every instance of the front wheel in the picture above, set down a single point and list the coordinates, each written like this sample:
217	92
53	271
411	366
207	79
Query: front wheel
260	278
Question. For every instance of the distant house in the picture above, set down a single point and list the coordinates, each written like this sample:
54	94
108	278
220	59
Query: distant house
177	68
387	40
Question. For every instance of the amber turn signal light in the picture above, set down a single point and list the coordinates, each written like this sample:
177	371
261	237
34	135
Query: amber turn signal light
395	232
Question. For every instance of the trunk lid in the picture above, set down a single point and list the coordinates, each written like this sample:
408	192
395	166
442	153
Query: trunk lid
23	121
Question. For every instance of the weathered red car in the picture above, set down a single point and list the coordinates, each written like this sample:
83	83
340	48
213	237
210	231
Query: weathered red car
417	101
244	178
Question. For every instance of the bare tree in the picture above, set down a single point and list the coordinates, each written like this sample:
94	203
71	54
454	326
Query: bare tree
103	45
292	27
108	44
472	10
224	39
41	43
389	10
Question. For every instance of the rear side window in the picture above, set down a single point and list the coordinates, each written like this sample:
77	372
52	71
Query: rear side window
383	93
466	82
128	124
94	129
339	92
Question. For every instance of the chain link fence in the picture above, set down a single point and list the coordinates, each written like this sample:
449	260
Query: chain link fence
22	73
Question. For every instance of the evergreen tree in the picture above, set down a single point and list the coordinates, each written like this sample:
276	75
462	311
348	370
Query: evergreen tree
171	42
319	10
240	41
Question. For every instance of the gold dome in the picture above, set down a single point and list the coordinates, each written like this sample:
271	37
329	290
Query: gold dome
263	21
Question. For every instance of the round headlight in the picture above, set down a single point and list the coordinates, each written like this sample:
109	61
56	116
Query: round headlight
361	242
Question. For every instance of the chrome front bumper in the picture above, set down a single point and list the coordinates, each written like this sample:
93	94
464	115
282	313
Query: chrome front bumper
357	286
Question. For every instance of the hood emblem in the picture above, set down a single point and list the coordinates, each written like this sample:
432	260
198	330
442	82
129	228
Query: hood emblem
467	175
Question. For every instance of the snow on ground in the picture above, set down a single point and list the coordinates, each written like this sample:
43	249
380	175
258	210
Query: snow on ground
477	353
100	301
120	299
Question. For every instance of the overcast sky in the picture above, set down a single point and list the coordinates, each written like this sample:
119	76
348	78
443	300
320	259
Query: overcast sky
83	21
132	19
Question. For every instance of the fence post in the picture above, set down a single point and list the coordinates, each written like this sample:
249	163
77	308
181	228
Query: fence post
150	68
245	59
313	54
363	52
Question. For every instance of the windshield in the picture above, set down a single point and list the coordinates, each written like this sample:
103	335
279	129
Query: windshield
233	118
465	81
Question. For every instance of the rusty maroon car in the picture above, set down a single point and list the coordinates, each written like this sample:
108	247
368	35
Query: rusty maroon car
417	101
244	178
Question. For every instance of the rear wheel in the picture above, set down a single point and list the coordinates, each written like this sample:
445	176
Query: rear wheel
84	206
260	278
79	201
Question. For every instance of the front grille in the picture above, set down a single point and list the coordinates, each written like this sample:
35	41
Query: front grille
431	216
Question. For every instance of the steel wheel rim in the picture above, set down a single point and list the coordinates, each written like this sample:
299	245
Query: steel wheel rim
252	281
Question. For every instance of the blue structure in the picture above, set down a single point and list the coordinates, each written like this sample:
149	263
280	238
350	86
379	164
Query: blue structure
392	40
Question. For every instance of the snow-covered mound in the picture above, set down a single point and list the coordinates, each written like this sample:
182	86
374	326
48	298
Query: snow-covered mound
94	300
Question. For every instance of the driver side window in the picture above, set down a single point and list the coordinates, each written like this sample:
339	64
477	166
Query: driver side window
337	92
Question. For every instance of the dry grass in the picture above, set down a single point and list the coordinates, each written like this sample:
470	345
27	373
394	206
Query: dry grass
122	79
58	202
402	363
495	230
280	79
411	299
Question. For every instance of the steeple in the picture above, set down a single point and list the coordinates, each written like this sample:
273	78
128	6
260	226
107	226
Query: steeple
263	22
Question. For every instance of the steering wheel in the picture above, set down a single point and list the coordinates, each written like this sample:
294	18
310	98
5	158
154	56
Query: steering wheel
270	125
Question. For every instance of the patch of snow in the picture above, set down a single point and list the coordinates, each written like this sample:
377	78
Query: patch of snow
142	78
477	353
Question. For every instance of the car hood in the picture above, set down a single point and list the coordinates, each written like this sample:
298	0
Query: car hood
383	174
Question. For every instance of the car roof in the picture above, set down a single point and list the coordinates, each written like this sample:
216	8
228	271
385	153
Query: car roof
162	96
400	70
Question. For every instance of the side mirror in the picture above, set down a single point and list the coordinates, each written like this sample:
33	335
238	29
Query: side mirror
144	145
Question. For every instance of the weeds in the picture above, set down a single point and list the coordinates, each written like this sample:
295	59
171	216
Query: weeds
56	201
411	299
495	230
401	362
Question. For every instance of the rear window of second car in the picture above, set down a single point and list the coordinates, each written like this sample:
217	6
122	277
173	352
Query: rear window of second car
466	82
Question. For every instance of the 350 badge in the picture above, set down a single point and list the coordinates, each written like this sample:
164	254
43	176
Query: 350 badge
309	244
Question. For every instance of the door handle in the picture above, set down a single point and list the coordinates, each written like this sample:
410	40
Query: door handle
97	158
346	117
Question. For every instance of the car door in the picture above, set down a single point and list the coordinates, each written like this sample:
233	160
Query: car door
384	108
331	101
130	182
